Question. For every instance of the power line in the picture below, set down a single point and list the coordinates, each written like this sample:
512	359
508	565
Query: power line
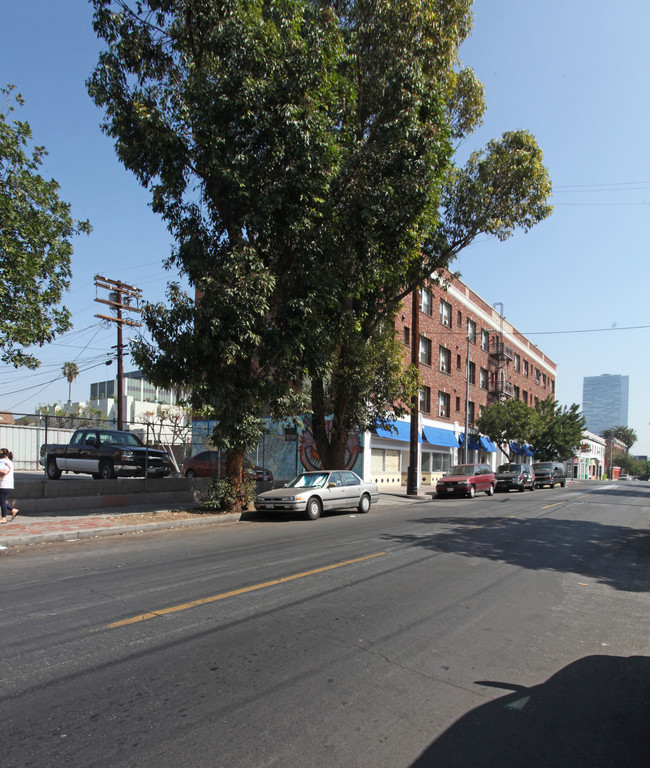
588	330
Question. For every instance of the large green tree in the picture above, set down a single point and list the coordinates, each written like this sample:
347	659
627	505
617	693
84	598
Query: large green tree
554	431
301	153
36	229
506	422
557	430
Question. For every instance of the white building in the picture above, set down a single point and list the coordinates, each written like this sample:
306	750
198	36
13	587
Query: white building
589	464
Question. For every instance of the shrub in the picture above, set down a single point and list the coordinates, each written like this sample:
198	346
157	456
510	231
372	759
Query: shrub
223	494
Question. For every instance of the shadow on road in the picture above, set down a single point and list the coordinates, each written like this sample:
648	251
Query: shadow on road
610	554
594	712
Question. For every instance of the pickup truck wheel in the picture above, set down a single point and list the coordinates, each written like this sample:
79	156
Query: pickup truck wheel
53	472
313	508
106	471
364	503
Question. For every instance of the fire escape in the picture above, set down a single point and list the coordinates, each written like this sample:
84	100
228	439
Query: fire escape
500	355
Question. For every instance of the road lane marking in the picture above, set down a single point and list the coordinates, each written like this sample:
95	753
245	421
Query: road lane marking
235	592
548	506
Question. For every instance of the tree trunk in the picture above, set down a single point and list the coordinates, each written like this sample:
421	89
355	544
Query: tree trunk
331	447
234	467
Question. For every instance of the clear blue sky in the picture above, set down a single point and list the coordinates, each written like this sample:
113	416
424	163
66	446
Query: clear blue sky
573	72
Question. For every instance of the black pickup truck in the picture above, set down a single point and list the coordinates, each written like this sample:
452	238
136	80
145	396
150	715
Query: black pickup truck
104	454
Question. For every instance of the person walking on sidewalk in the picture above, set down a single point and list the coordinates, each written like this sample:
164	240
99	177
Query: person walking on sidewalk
6	483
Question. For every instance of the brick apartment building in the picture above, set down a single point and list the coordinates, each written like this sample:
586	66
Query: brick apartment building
503	363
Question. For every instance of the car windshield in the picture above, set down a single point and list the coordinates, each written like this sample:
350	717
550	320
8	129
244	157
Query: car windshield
121	438
309	480
462	469
545	467
510	468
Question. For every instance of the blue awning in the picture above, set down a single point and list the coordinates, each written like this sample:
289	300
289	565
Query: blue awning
436	436
402	434
474	444
521	450
488	445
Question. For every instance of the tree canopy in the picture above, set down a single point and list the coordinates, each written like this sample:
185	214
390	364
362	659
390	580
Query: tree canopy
553	431
301	153
625	434
506	422
36	228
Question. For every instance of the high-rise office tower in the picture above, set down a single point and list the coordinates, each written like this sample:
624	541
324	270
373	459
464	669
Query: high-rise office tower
604	401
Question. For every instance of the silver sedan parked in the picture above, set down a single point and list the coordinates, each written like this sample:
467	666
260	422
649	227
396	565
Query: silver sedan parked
312	492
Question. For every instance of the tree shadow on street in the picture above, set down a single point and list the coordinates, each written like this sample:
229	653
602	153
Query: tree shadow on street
593	712
611	554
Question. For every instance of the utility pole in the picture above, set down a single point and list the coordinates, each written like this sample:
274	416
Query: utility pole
121	297
412	472
466	439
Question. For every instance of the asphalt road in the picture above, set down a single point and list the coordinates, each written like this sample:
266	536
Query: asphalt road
505	631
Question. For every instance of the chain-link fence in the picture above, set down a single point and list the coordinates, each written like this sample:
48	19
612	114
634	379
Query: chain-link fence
28	432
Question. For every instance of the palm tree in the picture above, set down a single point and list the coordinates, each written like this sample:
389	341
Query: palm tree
70	371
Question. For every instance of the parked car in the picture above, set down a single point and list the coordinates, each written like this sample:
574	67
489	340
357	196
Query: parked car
313	492
466	480
549	473
517	476
623	476
209	463
104	454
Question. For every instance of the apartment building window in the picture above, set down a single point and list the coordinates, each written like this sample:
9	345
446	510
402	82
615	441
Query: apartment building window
553	386
544	380
471	331
472	373
525	397
407	336
457	404
516	391
483	378
445	313
471	412
425	400
425	350
481	410
485	340
517	362
459	363
444	360
443	405
525	367
459	317
425	301
536	402
538	376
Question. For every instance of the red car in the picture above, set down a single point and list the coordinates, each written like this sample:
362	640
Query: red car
207	464
466	480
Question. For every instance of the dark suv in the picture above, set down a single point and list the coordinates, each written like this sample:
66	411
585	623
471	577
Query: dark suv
517	476
466	480
549	473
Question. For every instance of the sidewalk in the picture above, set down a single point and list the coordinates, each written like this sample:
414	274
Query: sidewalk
28	529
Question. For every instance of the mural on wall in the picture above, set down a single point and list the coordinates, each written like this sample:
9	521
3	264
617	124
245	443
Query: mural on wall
285	450
310	459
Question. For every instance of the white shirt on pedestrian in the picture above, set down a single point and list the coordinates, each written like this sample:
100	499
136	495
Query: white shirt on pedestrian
7	481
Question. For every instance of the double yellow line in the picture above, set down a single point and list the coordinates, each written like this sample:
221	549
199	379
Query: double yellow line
235	592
